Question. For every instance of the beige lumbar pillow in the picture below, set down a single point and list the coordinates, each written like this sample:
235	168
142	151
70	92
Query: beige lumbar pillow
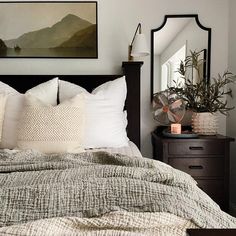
52	129
46	92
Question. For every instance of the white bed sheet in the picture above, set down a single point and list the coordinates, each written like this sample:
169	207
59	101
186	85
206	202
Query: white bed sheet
130	150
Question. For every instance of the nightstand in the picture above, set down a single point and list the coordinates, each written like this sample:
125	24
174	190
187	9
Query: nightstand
205	158
211	232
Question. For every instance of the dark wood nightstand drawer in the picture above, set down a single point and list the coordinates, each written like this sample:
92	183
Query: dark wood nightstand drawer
197	167
212	187
196	148
211	232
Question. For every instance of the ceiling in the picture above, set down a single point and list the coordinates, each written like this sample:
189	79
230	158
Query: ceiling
171	29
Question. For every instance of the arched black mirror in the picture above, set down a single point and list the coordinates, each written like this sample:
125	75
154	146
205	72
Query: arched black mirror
172	42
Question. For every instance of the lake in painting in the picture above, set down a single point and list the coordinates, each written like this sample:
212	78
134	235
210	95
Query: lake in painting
41	52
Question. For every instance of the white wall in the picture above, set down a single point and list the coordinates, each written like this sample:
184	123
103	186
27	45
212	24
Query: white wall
117	21
231	120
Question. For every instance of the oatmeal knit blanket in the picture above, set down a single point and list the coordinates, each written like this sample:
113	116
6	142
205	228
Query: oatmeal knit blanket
36	186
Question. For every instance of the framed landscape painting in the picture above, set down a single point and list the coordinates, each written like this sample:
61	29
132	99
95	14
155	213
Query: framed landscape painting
48	29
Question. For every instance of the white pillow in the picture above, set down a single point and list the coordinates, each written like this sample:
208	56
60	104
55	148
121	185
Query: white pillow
52	129
3	99
105	121
47	92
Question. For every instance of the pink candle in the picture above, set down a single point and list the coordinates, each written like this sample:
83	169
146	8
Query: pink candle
176	128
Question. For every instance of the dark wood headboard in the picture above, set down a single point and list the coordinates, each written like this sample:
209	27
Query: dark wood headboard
130	69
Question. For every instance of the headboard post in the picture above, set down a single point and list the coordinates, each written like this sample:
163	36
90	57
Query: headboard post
132	71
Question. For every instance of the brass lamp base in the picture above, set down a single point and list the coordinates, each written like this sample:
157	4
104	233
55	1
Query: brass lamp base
130	58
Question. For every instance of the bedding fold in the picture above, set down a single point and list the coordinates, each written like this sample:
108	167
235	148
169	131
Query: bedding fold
36	186
110	224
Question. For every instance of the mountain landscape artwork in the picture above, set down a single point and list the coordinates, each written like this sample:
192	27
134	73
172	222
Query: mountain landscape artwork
53	30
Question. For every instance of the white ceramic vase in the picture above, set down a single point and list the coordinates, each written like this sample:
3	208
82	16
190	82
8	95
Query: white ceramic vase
204	123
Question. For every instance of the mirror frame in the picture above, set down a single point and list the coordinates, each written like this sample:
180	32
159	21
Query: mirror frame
195	16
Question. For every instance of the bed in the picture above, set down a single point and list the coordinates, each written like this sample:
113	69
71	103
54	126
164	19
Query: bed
97	191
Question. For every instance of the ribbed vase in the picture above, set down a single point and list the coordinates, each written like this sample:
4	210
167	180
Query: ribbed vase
204	123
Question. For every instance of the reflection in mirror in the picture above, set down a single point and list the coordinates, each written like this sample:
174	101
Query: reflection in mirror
168	71
171	43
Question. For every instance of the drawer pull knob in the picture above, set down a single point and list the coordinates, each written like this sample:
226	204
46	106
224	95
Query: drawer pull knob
195	167
196	148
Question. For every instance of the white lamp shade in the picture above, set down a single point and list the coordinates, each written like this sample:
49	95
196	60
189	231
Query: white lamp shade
139	47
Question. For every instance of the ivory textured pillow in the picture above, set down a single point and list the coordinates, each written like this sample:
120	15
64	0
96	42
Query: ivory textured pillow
52	129
47	92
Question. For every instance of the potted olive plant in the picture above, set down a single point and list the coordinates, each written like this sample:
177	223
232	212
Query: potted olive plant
202	98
